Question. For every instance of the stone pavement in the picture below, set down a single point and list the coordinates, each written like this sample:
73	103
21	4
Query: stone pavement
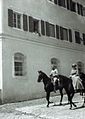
36	109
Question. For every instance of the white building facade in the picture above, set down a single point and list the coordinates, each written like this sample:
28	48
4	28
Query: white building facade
33	36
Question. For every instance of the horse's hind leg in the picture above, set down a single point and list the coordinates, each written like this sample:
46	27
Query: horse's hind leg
61	93
47	97
70	97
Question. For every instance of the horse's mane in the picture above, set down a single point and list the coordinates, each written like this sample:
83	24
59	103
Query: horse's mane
45	75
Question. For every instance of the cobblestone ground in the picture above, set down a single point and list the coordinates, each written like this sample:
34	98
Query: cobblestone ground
36	109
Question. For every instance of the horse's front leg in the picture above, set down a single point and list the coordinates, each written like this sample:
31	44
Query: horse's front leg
61	93
47	97
84	101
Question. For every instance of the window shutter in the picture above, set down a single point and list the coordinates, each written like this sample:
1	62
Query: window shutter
78	8
25	23
57	31
47	29
70	35
55	1
59	2
81	7
61	33
68	6
69	2
83	38
31	24
77	37
42	27
10	17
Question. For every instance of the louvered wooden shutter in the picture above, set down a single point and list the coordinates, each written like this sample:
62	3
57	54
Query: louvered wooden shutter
69	4
59	2
10	17
31	24
25	23
55	1
81	7
83	38
47	29
42	27
57	31
78	8
77	37
61	33
70	35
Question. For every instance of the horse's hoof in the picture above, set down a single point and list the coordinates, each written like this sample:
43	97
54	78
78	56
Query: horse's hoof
70	108
50	102
83	105
47	105
60	104
75	105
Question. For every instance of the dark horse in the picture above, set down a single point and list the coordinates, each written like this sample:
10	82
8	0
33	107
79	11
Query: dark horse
82	77
65	83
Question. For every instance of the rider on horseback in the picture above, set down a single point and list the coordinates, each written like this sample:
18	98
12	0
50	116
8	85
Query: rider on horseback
54	76
77	83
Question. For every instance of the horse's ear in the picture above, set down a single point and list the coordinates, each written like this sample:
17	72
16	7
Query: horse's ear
39	72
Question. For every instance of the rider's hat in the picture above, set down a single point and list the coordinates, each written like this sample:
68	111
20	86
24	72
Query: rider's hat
74	65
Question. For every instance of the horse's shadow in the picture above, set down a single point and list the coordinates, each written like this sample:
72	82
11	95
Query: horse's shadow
64	104
80	107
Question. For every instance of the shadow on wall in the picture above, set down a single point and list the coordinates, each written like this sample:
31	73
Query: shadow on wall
80	66
55	63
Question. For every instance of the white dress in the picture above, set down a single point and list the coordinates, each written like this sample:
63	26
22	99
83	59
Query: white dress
77	84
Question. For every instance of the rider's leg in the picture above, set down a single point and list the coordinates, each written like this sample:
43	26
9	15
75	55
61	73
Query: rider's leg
54	80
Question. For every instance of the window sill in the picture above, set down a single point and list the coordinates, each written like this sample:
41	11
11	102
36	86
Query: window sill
20	77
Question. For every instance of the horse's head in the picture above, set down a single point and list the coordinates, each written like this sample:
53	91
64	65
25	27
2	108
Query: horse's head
40	77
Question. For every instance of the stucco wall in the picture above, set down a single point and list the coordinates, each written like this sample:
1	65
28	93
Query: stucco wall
38	57
0	64
37	49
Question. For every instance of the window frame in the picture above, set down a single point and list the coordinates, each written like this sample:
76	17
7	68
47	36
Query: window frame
77	37
21	72
62	29
17	20
32	25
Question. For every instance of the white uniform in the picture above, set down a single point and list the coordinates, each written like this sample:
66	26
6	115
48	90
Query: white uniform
54	73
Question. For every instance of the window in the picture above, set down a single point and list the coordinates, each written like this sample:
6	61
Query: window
80	9
14	19
19	63
63	34
50	29
61	3
33	25
69	4
17	20
77	37
73	6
